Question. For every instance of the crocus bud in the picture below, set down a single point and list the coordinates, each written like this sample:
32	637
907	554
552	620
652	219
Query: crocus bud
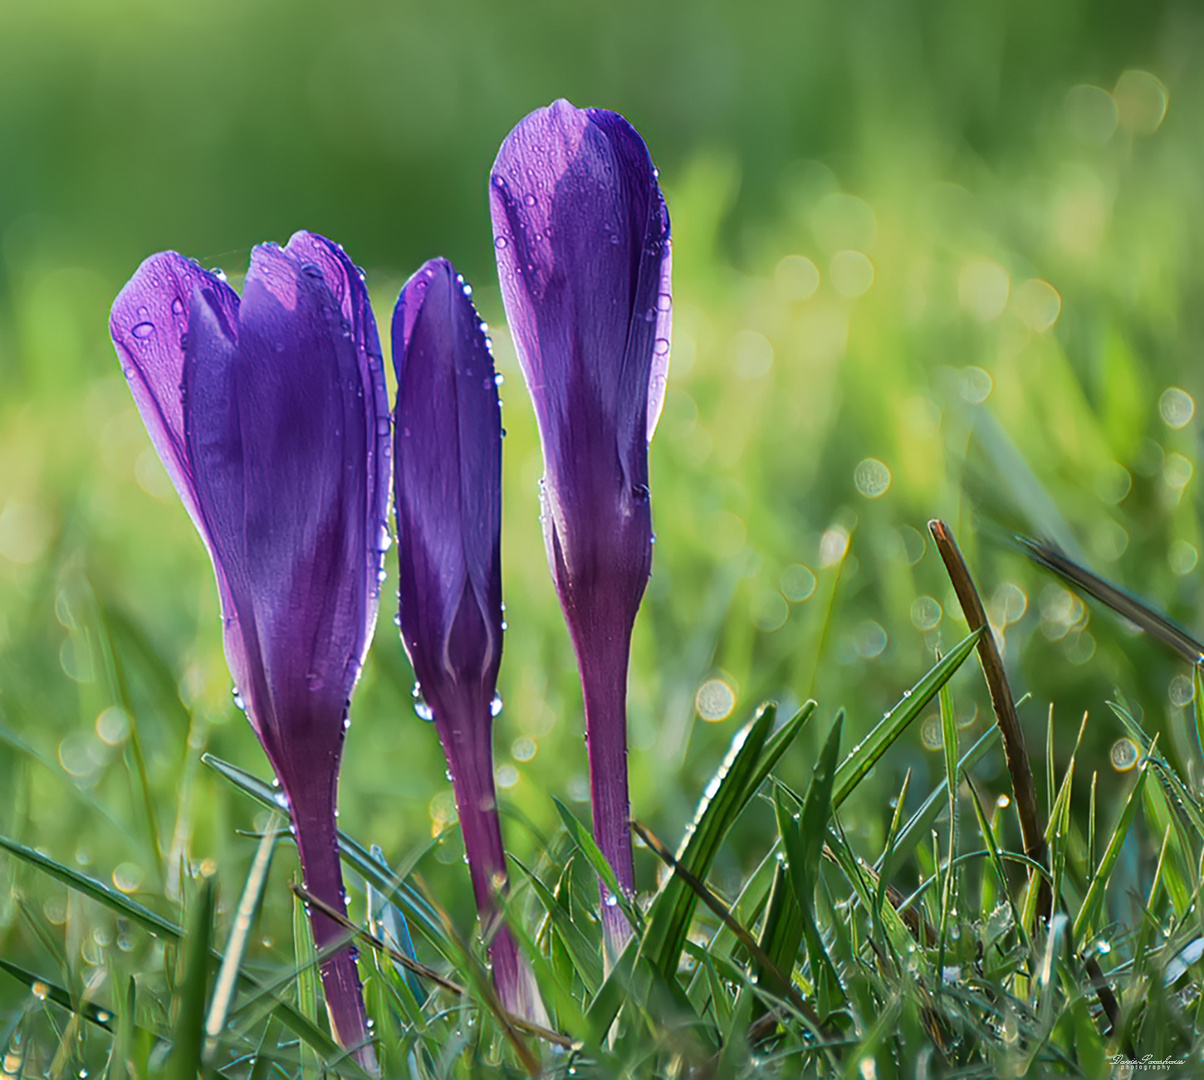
582	240
271	417
448	449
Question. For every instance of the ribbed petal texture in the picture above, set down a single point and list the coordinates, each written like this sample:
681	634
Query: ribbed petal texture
448	449
581	234
270	415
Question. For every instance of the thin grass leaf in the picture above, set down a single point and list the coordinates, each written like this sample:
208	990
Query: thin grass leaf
949	886
240	932
583	953
920	823
782	931
192	987
725	797
803	839
585	843
266	1050
1099	882
97	890
45	990
996	861
389	924
307	982
866	753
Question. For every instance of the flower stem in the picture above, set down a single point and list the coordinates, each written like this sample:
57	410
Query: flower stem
317	843
602	661
468	749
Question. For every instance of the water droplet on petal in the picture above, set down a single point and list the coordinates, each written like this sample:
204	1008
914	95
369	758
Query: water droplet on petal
530	200
421	708
495	706
177	305
143	330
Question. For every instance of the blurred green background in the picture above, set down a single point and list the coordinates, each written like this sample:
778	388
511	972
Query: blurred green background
931	259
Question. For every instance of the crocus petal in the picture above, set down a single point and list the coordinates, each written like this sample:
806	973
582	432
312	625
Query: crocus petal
448	454
271	417
582	239
149	326
448	438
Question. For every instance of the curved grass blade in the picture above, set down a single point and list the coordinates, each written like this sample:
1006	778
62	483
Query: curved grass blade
1099	881
96	890
192	987
583	840
48	991
584	955
240	932
803	839
724	798
865	755
164	928
1130	606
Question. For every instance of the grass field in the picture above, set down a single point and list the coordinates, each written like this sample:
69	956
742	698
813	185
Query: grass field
931	260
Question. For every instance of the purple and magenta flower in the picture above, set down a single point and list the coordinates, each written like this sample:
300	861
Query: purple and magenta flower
582	241
270	415
448	484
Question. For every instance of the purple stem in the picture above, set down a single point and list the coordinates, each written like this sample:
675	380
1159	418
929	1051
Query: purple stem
469	753
602	661
317	842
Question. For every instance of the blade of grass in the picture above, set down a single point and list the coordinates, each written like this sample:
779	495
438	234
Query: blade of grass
1014	751
49	991
1130	606
803	839
1099	881
949	886
240	932
307	981
584	955
584	842
192	986
724	798
865	754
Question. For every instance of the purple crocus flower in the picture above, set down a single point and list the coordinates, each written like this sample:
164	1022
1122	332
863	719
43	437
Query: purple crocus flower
448	449
271	417
582	239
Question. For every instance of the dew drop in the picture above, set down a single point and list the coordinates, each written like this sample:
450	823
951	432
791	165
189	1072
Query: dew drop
529	199
421	708
143	330
495	706
177	305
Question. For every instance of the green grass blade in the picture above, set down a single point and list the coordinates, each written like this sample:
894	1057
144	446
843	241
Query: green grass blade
307	982
919	825
724	798
240	933
864	756
97	890
1099	881
49	991
583	953
192	987
584	842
